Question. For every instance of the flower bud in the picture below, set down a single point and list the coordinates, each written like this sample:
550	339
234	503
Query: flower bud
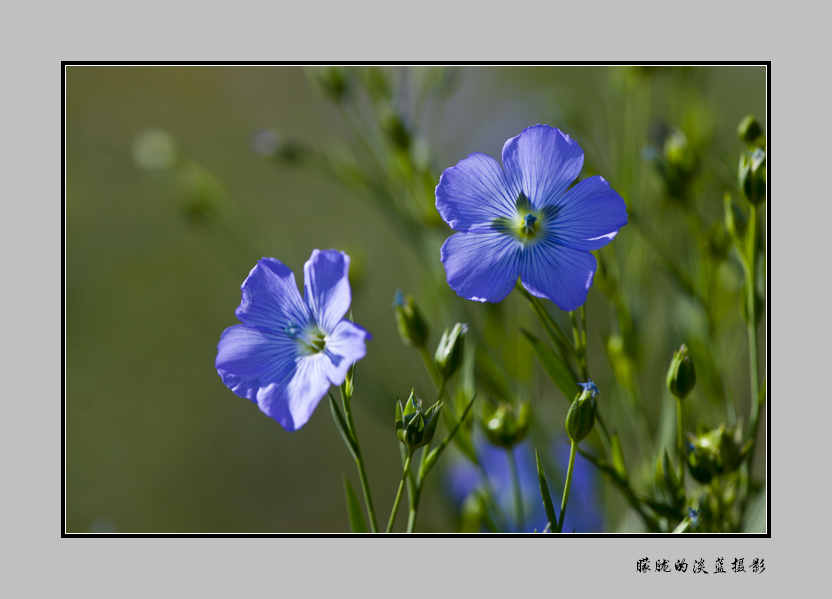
581	416
332	80
412	326
506	425
752	176
716	452
681	377
450	351
271	145
394	128
413	427
749	130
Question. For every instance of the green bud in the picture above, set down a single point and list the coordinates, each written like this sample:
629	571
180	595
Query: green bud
450	351
581	416
752	175
716	452
332	80
412	326
415	428
394	128
272	145
749	130
506	425
681	377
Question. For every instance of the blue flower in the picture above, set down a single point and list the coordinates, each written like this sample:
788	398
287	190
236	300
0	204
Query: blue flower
289	348
523	220
584	513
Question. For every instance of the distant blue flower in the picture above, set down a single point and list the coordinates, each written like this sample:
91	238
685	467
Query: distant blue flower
584	512
522	221
289	348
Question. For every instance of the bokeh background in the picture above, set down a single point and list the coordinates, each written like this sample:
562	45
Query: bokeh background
170	201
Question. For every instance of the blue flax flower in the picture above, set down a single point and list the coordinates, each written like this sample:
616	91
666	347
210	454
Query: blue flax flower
523	220
584	513
289	348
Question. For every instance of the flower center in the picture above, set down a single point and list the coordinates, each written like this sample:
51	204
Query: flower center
311	340
528	227
527	224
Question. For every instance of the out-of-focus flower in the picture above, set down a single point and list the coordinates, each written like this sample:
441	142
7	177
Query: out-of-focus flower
521	220
584	513
290	349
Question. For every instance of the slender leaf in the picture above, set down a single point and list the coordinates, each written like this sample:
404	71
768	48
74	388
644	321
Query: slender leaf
357	522
551	516
554	366
341	425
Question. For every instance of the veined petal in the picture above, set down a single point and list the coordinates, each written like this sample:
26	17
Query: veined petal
291	402
481	266
249	358
345	346
589	215
271	298
558	273
473	193
327	287
542	162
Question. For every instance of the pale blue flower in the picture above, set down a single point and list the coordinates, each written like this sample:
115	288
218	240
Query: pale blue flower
290	349
523	220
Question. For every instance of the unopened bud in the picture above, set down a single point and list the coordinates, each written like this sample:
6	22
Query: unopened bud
413	427
749	130
450	351
752	176
681	376
505	424
412	326
581	416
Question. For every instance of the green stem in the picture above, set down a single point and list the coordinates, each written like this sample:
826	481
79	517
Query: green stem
411	518
359	462
399	494
518	495
567	486
434	374
680	441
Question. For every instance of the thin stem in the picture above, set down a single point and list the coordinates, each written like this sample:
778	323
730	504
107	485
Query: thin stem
359	462
567	486
399	494
429	364
680	442
518	495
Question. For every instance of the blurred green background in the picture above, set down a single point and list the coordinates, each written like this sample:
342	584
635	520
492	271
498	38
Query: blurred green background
156	443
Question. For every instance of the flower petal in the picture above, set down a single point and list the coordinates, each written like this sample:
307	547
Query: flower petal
542	162
249	358
589	215
481	266
558	273
291	402
327	287
473	193
345	346
271	298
